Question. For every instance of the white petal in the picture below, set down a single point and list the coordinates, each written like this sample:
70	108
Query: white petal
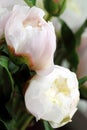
54	97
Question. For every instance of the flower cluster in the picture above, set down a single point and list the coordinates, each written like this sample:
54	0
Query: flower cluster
52	93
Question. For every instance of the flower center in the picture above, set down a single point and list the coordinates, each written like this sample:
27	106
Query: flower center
58	90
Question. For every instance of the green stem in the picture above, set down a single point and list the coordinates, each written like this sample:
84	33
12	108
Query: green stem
47	126
27	122
48	17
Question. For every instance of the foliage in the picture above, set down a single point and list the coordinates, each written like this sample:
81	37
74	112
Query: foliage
30	2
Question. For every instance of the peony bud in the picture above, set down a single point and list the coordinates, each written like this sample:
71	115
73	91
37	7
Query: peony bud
54	97
55	7
30	36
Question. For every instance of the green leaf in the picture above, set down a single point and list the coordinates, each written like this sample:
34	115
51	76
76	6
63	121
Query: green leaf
47	126
12	67
83	92
17	60
4	114
82	81
20	124
60	53
16	107
6	81
68	37
4	63
30	2
79	32
3	48
6	87
69	42
10	125
74	60
82	87
2	126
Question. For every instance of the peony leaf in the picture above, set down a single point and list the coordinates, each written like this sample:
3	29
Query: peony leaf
30	2
4	62
82	81
6	81
3	47
6	87
47	126
69	42
13	67
82	88
83	92
73	59
15	125
68	37
16	107
2	126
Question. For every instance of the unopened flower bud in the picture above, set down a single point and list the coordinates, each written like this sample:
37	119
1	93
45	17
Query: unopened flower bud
55	7
30	36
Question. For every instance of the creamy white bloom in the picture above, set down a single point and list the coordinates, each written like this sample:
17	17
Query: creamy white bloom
75	13
31	36
54	97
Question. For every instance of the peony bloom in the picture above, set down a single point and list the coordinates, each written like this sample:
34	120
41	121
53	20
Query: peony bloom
75	13
82	52
29	35
5	9
54	97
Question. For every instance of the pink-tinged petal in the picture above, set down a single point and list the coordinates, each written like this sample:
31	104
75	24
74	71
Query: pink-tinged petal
31	36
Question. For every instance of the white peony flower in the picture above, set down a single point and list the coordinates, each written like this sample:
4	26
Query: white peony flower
75	13
29	35
54	97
